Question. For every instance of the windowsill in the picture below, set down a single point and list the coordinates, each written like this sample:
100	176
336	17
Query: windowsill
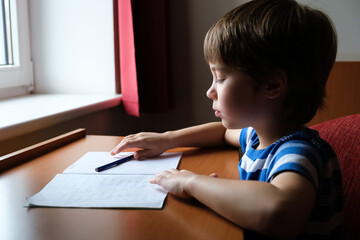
25	114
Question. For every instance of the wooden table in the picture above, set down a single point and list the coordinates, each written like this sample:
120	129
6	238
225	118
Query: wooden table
179	219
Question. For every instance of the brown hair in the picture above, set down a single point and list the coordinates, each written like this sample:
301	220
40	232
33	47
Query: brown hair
263	35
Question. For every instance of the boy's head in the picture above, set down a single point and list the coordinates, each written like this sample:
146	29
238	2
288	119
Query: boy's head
262	36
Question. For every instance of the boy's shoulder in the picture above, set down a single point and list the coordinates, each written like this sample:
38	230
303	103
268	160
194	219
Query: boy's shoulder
303	149
309	143
303	152
307	137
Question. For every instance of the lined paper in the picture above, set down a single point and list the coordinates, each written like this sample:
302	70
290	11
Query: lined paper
92	160
124	186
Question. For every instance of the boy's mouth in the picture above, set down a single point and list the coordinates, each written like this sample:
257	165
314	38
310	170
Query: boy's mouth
217	113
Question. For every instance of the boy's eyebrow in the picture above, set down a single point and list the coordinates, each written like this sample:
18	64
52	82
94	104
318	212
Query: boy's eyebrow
219	68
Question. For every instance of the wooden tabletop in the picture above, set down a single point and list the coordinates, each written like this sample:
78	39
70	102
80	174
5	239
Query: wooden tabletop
179	219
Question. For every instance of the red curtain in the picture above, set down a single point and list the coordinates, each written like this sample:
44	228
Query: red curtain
141	56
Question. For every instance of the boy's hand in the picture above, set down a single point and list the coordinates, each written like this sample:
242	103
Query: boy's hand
151	144
173	181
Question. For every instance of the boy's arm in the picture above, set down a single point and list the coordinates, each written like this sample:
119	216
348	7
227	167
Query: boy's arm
153	144
205	135
278	209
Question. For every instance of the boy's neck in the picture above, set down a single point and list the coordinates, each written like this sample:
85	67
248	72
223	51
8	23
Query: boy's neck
271	132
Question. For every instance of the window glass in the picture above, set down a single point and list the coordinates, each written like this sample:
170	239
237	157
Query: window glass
3	33
16	74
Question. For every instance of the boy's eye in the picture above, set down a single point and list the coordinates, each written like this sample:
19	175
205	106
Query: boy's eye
219	80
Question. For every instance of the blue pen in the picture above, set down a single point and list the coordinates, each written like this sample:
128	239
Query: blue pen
114	164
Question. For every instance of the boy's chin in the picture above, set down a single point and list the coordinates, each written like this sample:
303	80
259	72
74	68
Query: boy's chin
228	125
232	125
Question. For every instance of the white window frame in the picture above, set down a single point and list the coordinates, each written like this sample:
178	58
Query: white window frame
17	79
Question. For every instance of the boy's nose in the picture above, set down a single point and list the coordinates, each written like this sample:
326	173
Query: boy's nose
211	93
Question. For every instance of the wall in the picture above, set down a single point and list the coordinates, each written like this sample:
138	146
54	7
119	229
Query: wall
89	26
72	46
342	91
345	15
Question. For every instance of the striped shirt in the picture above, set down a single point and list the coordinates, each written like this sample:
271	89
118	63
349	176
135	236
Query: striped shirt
306	153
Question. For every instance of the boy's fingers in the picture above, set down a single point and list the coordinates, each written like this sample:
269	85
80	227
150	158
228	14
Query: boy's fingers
146	153
215	175
117	150
139	154
124	144
142	154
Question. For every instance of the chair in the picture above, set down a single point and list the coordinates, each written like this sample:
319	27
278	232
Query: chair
343	134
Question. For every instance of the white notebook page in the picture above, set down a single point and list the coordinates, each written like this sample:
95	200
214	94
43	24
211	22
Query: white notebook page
124	186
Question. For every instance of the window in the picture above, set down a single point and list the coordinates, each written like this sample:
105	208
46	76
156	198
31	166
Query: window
16	74
6	47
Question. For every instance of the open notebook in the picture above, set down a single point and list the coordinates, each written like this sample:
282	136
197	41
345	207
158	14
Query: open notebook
124	186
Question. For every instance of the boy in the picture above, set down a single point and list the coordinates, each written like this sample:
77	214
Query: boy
270	61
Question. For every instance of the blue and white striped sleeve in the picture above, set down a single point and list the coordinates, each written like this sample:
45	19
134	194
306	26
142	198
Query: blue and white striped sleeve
296	156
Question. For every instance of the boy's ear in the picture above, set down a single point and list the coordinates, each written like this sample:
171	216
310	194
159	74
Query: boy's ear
276	84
